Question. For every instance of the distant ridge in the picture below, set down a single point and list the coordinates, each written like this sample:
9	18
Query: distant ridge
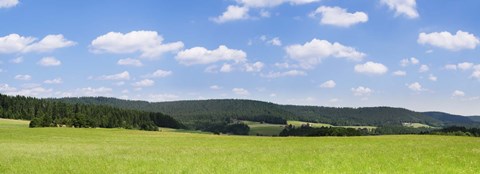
191	112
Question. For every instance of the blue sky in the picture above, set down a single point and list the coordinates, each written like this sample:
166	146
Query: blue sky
402	53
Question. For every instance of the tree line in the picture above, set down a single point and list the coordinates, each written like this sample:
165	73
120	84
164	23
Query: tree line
48	113
307	130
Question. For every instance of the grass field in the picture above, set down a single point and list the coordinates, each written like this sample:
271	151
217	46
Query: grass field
416	125
73	150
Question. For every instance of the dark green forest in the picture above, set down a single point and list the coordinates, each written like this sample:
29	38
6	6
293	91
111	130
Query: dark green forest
49	113
202	113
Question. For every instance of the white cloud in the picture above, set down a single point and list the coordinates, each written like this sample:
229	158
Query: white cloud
328	84
312	53
334	100
8	3
17	60
130	62
89	91
399	73
337	16
200	55
458	93
423	68
14	43
24	77
226	68
291	73
432	77
49	43
120	76
275	41
371	68
465	66
148	43
407	8
53	81
272	3
161	97
273	95
415	87
158	74
5	88
32	91
215	87
240	91
461	40
143	83
264	13
233	13
49	61
255	67
476	74
362	91
406	62
451	67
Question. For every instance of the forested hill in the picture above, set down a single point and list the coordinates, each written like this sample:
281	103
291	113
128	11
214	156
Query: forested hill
452	120
475	118
195	112
46	113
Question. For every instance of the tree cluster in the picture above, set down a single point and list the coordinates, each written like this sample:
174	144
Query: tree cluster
48	113
306	130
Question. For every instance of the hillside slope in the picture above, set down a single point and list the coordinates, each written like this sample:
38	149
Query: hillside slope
195	111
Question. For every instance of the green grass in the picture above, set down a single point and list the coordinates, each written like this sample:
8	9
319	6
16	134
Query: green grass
299	123
257	128
74	150
416	125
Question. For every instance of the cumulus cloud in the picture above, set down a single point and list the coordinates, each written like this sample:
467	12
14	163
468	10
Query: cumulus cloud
275	41
415	87
328	84
371	68
476	74
158	74
49	61
407	8
461	40
233	13
465	66
24	77
143	83
215	87
451	67
255	67
423	68
272	3
8	3
432	77
5	88
406	62
312	53
130	62
337	16
17	60
15	43
201	55
240	91
362	91
53	81
89	91
162	97
226	68
291	73
399	73
120	76
148	43
458	93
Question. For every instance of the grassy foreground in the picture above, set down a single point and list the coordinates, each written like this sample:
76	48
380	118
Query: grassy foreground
70	150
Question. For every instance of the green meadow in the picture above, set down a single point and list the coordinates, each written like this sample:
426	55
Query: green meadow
90	150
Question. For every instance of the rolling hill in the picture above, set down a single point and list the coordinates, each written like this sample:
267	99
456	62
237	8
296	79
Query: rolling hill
197	111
